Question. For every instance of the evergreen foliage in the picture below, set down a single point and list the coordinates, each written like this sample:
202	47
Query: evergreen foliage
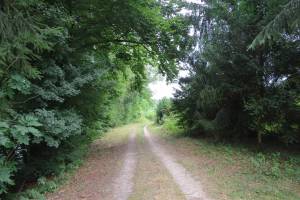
234	91
287	21
69	70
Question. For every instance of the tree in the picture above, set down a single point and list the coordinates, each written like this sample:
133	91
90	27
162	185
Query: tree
286	21
69	69
235	92
163	109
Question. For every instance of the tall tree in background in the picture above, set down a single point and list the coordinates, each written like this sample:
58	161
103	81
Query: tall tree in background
234	91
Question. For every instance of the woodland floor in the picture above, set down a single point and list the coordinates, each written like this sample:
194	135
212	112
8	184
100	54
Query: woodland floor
137	163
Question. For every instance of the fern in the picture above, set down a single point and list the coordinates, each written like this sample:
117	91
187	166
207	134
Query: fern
6	173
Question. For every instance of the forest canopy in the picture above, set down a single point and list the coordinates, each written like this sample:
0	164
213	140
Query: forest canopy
69	70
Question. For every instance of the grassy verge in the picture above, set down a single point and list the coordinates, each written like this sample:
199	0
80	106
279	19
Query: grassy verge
232	171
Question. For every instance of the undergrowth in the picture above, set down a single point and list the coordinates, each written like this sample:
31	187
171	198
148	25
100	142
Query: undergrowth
60	166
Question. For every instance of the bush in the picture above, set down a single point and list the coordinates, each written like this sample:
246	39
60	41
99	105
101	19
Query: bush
171	124
163	109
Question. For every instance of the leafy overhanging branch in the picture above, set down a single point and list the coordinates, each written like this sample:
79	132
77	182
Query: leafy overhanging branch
287	19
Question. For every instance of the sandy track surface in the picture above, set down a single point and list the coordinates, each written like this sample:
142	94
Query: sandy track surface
124	182
91	181
130	164
191	188
152	180
94	180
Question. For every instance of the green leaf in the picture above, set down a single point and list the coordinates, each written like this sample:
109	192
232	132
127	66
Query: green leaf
6	171
34	131
20	134
51	142
20	83
4	125
29	120
23	139
5	175
4	140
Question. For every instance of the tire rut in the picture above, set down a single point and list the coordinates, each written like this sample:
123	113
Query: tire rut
124	182
191	188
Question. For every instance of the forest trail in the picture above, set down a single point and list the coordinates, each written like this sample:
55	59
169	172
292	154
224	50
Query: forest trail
191	188
124	183
131	164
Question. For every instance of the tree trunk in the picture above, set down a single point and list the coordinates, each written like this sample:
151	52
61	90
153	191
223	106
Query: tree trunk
259	138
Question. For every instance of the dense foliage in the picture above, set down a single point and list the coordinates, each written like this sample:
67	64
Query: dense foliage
234	91
69	69
163	109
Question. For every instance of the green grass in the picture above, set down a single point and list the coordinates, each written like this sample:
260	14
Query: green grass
239	171
261	175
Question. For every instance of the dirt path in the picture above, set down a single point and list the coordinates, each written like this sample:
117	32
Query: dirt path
94	180
191	188
129	163
152	181
123	184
